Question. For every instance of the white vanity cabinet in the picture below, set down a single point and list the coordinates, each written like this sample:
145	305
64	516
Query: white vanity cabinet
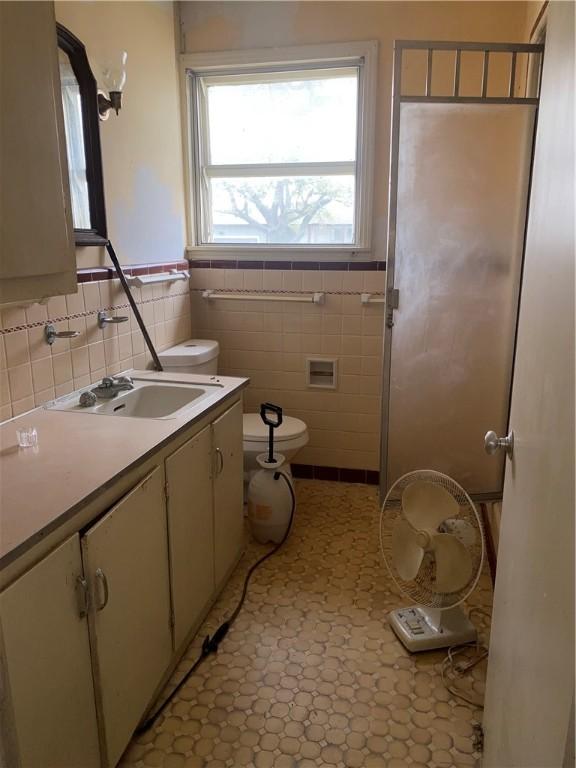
96	627
48	669
228	490
191	531
125	558
204	482
37	255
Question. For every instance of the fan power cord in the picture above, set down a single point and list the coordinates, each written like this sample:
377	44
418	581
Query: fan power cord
457	669
211	643
461	668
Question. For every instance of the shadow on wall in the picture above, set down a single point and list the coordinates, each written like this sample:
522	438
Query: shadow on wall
149	226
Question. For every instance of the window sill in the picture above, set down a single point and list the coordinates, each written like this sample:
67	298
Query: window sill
278	252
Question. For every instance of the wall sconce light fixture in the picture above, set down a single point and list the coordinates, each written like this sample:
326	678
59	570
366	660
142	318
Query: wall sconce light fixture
114	80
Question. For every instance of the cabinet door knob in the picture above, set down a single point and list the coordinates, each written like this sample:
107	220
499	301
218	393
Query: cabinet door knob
220	457
83	596
101	579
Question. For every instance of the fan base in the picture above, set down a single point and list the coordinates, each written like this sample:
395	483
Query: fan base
424	629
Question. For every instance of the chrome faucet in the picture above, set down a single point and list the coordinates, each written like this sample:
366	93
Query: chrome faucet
111	385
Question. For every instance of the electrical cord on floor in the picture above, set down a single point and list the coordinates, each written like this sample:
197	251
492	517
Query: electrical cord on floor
461	668
210	644
452	669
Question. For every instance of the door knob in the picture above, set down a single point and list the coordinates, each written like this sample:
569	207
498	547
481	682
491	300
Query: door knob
493	443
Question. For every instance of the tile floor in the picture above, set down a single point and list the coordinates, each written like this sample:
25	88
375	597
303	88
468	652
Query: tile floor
311	675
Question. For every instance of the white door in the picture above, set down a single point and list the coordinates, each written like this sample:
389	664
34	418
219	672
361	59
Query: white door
49	673
126	561
228	491
191	531
530	683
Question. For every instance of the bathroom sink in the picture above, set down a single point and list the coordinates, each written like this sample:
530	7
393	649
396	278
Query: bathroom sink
151	401
147	400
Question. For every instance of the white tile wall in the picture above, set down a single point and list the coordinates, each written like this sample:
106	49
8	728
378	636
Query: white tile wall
32	372
267	341
270	341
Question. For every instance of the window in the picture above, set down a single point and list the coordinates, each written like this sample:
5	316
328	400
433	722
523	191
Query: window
280	150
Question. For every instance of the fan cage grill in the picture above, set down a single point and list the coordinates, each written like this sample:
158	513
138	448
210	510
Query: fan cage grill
420	589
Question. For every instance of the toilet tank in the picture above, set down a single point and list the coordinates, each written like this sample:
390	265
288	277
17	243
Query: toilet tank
192	356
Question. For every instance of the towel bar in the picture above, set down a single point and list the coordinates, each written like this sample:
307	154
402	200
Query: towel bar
306	298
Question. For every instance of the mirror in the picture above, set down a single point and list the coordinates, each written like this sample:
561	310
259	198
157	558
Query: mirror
81	124
72	105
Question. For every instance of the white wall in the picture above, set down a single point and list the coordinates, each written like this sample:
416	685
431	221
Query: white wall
141	147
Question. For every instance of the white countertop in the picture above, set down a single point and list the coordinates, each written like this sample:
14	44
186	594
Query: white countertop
77	455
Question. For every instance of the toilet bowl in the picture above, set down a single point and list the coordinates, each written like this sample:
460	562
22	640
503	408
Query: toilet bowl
289	438
200	356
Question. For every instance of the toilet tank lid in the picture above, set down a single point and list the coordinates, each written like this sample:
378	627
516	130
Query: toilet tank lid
191	352
255	429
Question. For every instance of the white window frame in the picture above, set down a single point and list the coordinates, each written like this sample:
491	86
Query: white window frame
270	59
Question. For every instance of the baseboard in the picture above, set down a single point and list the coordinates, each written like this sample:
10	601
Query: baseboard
490	547
338	474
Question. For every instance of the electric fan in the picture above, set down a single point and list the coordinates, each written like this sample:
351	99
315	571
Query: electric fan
432	541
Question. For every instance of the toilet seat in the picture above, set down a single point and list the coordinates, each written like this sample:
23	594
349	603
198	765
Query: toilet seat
290	437
255	431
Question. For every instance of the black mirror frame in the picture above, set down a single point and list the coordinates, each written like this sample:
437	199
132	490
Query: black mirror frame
74	48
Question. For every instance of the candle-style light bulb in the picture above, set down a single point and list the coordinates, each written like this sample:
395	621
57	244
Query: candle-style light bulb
115	75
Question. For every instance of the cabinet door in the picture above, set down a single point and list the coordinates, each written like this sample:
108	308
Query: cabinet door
126	561
228	490
190	530
47	654
36	234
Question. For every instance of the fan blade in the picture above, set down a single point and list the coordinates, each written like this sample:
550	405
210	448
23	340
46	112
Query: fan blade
453	563
406	551
426	505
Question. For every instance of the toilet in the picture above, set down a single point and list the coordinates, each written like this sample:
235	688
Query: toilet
289	438
193	356
200	356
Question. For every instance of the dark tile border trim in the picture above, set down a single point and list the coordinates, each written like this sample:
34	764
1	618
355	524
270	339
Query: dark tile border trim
95	274
321	266
338	474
